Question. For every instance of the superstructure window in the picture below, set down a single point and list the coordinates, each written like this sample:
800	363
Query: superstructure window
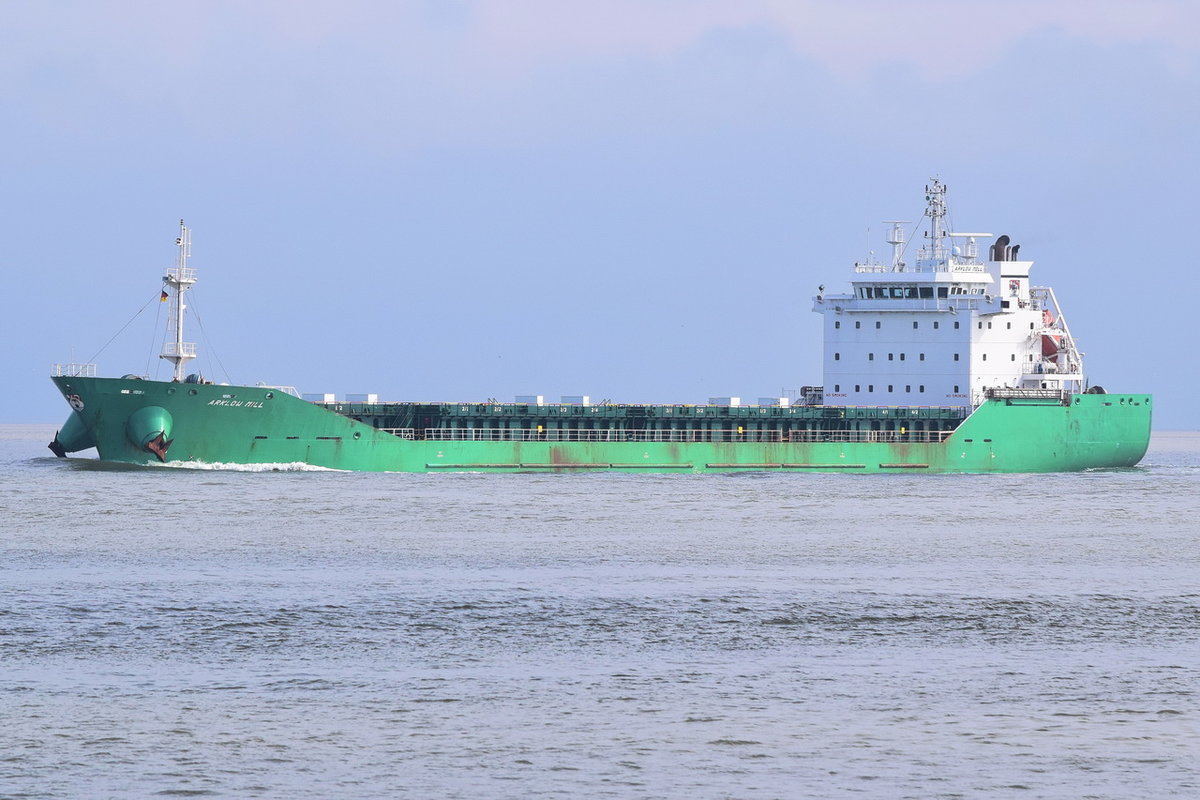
921	388
955	326
985	356
907	388
1014	356
837	324
915	325
902	356
837	387
889	387
956	388
870	356
890	357
870	387
857	324
935	326
1009	324
922	357
837	356
858	387
956	356
878	325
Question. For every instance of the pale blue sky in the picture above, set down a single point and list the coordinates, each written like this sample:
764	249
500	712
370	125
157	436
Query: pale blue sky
454	200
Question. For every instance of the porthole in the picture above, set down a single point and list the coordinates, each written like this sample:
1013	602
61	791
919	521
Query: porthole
193	392
358	434
270	395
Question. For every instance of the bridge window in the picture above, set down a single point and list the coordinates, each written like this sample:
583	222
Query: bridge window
926	292
942	291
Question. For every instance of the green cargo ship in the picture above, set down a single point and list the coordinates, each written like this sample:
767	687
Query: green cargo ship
948	364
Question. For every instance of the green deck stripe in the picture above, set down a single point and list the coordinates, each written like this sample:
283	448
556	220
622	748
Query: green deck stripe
651	466
824	466
743	466
472	466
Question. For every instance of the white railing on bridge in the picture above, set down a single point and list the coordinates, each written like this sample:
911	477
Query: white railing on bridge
179	349
73	370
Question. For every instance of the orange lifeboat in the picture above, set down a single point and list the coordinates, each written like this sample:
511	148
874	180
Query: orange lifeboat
1050	342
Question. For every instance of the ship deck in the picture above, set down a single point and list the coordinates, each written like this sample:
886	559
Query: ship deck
653	423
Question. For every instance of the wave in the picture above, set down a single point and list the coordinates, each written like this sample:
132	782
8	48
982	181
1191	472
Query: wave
291	466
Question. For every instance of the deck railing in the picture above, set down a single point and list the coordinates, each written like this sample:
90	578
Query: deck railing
73	370
597	435
619	435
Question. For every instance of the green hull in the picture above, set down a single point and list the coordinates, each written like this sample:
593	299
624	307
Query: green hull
146	422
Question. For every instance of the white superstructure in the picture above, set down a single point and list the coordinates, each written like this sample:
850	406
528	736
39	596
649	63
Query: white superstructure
945	329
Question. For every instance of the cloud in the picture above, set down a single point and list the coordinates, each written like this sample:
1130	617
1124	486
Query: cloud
504	38
427	71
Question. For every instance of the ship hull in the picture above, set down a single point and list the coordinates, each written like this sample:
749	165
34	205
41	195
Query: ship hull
151	422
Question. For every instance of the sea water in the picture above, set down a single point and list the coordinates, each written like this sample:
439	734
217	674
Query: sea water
313	634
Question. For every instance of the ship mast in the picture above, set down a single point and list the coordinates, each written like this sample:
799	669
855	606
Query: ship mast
179	278
935	194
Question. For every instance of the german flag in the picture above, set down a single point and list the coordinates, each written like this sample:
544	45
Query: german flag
162	298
